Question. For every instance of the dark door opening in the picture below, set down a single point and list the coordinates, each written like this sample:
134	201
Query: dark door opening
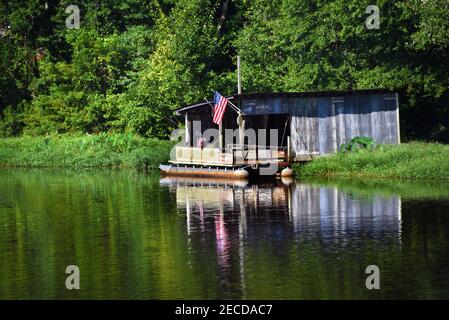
279	122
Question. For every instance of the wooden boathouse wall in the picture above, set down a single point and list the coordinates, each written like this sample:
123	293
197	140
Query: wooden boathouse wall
319	125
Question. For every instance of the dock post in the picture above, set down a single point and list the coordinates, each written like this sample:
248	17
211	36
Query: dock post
220	136
241	124
188	128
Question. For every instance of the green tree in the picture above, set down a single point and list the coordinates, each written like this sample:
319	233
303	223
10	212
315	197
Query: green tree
133	62
290	45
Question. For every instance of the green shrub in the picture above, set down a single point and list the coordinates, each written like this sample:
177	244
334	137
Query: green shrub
358	143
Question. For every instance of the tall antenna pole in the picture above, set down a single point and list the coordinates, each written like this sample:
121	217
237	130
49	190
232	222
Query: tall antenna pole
239	77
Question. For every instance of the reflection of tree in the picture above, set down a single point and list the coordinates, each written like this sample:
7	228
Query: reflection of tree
119	228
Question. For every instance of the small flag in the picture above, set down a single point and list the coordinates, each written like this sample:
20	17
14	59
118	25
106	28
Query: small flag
220	103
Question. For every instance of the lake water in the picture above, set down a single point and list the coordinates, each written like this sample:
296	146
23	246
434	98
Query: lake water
136	236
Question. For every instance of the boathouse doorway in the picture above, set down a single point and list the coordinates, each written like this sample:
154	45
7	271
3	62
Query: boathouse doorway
279	122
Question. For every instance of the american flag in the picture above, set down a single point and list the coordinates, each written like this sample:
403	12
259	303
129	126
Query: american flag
220	103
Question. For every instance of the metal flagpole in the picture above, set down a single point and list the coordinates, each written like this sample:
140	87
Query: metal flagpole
209	103
235	107
232	106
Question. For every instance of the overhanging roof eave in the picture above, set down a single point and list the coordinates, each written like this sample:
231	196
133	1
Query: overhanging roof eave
193	106
198	105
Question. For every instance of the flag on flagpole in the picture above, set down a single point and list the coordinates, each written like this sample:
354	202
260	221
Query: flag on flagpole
220	103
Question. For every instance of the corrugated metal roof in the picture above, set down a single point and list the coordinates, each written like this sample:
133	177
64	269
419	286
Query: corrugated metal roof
255	95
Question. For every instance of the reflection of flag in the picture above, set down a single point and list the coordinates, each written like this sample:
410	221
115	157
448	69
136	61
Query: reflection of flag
220	103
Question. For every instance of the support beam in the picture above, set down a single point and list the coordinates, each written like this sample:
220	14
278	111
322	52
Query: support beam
220	136
241	143
188	125
397	119
241	132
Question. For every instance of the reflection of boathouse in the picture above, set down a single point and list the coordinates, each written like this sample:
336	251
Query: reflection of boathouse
248	230
306	125
300	207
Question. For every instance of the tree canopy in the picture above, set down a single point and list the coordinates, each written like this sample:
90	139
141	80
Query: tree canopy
132	62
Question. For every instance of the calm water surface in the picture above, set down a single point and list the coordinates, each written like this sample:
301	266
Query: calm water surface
136	236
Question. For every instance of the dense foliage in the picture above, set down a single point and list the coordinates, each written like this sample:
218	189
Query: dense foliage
132	62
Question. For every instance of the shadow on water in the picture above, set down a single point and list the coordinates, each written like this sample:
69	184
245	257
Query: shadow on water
137	236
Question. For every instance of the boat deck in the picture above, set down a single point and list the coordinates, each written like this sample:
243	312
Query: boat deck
231	158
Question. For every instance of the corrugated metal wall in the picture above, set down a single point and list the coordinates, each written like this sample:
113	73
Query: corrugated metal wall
320	125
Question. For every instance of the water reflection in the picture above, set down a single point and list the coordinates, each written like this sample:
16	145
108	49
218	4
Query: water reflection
240	214
136	236
336	216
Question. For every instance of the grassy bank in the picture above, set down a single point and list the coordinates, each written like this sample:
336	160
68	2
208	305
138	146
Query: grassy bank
95	151
415	160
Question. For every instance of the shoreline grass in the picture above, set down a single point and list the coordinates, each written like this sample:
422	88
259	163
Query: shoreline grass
86	151
415	160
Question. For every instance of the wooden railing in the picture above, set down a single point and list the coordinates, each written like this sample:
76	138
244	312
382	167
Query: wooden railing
234	154
208	156
255	152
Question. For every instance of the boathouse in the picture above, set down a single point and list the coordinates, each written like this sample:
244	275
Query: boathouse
309	124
